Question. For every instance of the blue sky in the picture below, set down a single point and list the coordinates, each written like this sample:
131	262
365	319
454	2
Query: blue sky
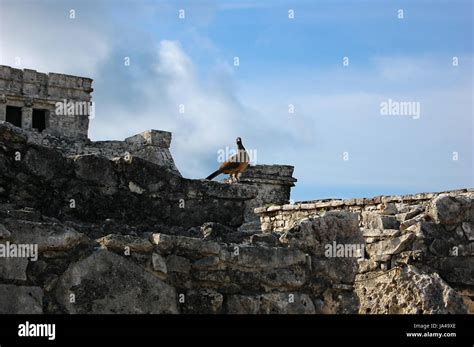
283	61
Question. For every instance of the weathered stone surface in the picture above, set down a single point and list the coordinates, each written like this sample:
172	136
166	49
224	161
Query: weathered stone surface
336	301
4	232
211	262
389	208
366	265
407	291
401	217
203	301
254	257
265	239
380	233
449	210
45	163
20	299
108	283
375	220
313	234
123	243
391	246
176	263
457	270
468	228
41	90
96	169
410	222
271	303
187	246
274	183
159	263
13	269
338	270
48	236
215	231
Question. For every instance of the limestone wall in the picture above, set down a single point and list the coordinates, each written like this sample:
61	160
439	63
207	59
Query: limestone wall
30	90
274	184
283	217
416	247
151	145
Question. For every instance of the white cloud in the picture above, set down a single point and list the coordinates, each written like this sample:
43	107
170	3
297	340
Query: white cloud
212	116
47	40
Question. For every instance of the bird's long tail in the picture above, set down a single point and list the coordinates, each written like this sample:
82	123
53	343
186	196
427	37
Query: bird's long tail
214	174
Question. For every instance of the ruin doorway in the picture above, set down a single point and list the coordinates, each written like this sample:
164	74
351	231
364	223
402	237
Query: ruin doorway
39	119
13	115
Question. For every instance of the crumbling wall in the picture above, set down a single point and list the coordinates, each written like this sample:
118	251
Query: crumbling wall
274	184
419	249
128	189
150	145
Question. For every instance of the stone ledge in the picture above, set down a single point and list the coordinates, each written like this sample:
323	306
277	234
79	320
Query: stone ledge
324	203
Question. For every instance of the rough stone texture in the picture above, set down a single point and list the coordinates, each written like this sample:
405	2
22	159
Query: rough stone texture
274	183
4	232
449	210
390	246
20	299
273	303
419	250
13	268
155	151
29	89
47	236
125	243
107	283
407	291
203	301
372	211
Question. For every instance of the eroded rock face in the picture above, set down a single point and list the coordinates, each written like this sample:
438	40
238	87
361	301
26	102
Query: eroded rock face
107	283
450	210
314	234
47	236
430	232
407	291
332	273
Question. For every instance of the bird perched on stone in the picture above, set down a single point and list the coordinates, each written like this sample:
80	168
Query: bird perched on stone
235	165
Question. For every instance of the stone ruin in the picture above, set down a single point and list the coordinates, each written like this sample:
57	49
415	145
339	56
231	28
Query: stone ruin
29	99
118	227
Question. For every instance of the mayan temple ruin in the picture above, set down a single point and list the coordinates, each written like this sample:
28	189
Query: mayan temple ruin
118	229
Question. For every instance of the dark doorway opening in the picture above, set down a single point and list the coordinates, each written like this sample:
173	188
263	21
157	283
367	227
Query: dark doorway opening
39	120
14	115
